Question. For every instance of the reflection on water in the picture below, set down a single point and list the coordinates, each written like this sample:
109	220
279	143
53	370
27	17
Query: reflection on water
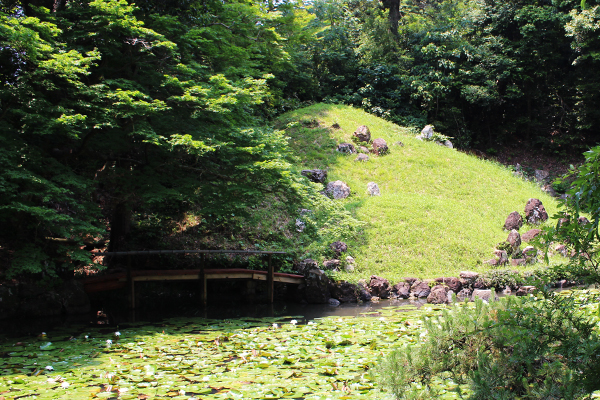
121	317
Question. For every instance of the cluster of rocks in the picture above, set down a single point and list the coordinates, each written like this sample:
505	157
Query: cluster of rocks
542	178
510	250
318	288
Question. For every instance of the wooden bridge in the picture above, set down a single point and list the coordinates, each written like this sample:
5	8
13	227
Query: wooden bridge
129	278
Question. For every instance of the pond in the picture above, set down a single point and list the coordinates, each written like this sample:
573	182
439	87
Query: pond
262	352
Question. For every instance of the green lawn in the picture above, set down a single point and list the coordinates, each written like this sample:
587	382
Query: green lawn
440	211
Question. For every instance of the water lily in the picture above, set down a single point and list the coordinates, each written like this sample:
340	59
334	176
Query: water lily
117	334
49	368
181	392
64	385
108	342
311	323
275	326
293	322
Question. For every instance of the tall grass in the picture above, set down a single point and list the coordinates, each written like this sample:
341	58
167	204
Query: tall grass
440	211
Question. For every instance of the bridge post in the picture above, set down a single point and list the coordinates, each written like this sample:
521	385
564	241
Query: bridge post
270	280
131	283
203	278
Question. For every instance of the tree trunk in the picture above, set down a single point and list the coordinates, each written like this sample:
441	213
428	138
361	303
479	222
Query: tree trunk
394	15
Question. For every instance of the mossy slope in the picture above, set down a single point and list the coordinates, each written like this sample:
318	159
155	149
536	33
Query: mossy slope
440	211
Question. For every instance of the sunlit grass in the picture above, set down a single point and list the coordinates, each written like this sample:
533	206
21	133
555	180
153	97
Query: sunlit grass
440	211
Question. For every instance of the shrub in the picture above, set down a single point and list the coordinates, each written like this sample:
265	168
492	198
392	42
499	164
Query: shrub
512	348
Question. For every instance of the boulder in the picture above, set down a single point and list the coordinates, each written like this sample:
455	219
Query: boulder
334	302
315	175
469	275
535	212
306	264
525	290
465	293
483	294
316	286
513	221
300	225
373	189
541	175
420	289
362	158
438	295
410	281
501	257
338	247
362	134
332	265
426	133
550	190
402	290
452	283
337	190
380	147
364	295
562	250
530	234
448	144
518	261
529	251
346	148
379	287
345	292
363	149
349	267
480	284
514	239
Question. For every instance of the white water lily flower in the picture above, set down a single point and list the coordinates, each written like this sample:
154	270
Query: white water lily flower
275	326
423	334
205	378
311	323
49	368
86	337
381	319
64	385
181	392
293	322
51	380
108	342
117	334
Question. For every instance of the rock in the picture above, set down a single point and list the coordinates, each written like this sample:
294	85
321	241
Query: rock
332	265
583	221
315	175
346	148
514	239
349	267
468	275
438	295
364	150
483	294
518	171
448	144
345	292
337	190
507	290
480	284
338	247
362	134
530	234
306	265
465	293
364	295
316	286
402	290
562	250
525	290
410	281
518	261
501	257
380	147
336	126
513	221
530	251
334	302
452	283
379	287
535	212
550	190
541	175
362	158
426	133
373	189
420	289
300	225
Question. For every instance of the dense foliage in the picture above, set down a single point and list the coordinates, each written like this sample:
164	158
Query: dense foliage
120	121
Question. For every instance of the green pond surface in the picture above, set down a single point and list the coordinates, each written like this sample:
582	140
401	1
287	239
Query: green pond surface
278	357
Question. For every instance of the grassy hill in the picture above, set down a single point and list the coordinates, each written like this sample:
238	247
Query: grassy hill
440	211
